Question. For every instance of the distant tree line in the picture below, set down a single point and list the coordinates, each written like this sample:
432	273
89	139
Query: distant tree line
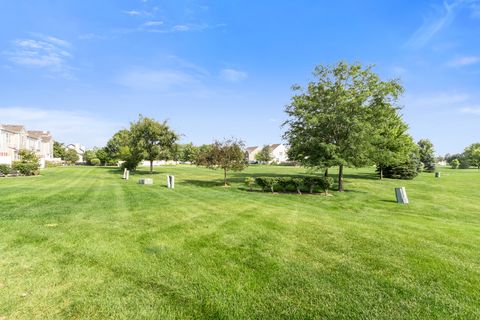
469	158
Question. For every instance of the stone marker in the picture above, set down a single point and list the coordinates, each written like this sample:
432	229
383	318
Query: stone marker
401	195
145	181
437	174
171	182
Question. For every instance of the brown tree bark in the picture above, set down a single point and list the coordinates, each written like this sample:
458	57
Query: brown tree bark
340	178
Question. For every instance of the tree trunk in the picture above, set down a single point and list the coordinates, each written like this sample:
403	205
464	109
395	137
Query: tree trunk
225	177
340	178
151	166
326	173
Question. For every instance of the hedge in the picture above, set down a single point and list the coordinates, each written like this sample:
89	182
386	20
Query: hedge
284	184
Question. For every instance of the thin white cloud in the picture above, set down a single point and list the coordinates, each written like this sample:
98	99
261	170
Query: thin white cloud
471	110
439	19
153	23
45	52
464	61
132	12
233	75
65	126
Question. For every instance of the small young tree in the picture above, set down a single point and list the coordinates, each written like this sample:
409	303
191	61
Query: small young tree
227	155
427	154
472	153
249	182
71	156
455	163
264	155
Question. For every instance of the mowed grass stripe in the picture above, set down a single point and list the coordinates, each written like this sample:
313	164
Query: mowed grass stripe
203	251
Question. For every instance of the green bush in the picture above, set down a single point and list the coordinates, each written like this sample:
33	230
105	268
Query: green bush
406	171
311	183
294	183
28	165
249	182
26	168
325	183
5	169
95	162
455	163
297	183
284	183
52	164
267	183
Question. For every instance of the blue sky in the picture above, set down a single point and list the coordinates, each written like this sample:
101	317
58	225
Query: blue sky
214	69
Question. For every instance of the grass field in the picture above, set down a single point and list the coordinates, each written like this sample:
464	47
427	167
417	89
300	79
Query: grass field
81	243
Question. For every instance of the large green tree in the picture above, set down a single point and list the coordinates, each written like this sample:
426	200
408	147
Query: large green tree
227	155
472	153
334	119
154	138
427	154
121	148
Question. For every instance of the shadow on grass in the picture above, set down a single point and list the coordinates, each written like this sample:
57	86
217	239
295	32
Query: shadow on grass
388	201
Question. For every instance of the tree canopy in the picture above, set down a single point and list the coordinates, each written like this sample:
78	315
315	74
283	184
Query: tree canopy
334	121
427	154
472	153
227	155
154	138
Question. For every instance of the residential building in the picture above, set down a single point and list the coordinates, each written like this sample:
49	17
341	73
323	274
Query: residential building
14	138
251	152
278	152
79	149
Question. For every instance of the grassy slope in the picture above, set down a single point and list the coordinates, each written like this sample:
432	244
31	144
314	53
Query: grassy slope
82	243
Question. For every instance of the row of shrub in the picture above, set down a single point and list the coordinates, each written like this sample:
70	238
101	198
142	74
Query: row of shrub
296	184
20	168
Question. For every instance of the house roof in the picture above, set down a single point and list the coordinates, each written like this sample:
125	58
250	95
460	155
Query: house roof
273	146
43	135
13	128
251	149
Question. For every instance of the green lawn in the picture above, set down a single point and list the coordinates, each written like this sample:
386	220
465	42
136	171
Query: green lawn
81	243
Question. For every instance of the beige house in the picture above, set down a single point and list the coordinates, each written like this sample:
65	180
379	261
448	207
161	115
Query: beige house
14	138
80	149
278	152
251	152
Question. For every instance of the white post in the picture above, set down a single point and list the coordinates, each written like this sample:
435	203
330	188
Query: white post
168	181
172	183
127	175
401	195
